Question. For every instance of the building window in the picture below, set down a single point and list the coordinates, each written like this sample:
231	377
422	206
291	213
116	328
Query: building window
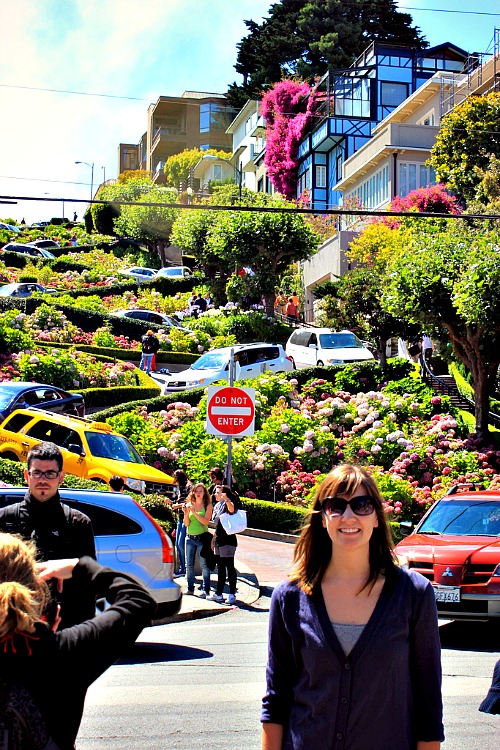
352	97
372	192
217	172
392	94
215	118
320	176
429	119
413	175
304	182
260	185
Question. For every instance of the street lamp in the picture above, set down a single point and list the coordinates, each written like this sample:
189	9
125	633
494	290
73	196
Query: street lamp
91	177
104	175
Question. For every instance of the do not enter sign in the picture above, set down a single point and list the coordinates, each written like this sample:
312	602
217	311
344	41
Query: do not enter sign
230	411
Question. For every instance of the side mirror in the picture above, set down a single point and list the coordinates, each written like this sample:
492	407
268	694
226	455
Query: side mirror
406	528
73	448
313	346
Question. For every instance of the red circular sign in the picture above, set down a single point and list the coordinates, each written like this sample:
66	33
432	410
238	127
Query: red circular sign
230	411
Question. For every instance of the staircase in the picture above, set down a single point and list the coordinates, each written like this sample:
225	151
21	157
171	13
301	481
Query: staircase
446	385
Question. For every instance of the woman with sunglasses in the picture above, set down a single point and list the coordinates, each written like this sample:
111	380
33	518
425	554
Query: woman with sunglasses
354	652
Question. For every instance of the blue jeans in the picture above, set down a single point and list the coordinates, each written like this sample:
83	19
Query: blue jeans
194	545
145	363
180	544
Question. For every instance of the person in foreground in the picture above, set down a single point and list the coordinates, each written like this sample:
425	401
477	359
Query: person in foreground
354	653
56	668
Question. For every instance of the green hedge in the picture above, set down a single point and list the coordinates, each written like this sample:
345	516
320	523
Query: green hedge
152	405
360	376
182	358
146	389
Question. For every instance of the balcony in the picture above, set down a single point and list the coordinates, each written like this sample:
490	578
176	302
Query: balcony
168	135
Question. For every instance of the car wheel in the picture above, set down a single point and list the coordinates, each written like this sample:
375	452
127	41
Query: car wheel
10	456
319	364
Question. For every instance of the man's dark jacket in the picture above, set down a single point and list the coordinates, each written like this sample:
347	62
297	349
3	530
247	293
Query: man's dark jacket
59	532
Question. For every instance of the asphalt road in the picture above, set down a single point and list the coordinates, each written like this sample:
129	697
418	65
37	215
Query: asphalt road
198	684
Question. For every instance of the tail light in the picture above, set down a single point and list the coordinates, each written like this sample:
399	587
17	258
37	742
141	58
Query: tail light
290	359
166	546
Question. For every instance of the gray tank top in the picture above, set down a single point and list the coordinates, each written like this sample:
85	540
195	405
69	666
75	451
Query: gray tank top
348	635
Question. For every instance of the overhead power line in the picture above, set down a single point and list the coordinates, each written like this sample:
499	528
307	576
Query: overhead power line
260	209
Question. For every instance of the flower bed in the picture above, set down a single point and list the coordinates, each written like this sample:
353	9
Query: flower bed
414	443
69	369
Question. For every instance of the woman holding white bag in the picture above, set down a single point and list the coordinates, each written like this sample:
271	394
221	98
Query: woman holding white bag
224	544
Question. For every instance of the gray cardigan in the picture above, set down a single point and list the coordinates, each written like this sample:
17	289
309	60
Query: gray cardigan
385	695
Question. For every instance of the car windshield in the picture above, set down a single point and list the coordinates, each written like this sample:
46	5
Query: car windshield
339	341
7	289
104	445
210	361
6	397
466	517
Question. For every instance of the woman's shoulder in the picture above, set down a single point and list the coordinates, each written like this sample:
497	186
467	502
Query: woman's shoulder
287	590
412	580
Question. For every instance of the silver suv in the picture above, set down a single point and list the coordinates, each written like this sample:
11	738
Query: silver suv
127	539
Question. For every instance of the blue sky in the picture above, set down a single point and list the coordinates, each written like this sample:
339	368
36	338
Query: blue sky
131	52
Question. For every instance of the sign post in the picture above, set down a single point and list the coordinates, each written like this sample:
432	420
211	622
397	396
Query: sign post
230	413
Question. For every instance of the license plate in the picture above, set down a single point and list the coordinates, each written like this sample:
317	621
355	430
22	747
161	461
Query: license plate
447	594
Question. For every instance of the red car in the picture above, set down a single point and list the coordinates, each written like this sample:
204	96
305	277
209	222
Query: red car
456	546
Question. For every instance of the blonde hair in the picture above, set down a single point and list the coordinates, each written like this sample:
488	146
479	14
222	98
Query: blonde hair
313	550
22	594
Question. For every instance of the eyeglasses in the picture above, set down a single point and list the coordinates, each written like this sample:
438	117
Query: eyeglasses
50	474
335	506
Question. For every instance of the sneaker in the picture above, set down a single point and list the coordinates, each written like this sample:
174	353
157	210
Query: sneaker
215	597
202	595
231	599
190	592
179	574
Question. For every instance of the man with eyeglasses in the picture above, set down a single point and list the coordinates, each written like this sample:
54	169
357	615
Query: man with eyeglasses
58	531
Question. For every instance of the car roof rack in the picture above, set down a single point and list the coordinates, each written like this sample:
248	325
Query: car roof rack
473	486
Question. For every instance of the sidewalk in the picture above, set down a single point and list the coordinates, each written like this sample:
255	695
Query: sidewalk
270	556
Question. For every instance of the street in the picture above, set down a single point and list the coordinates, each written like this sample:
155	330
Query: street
199	684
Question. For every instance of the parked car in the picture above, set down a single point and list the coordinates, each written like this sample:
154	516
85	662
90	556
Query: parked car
91	450
39	224
127	539
24	289
26	249
10	227
150	316
44	243
252	360
456	546
46	253
175	272
139	273
18	394
309	347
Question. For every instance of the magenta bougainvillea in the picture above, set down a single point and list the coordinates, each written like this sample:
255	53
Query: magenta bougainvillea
287	109
434	200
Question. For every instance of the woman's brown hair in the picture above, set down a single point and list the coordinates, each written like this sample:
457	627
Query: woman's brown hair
206	496
22	594
313	550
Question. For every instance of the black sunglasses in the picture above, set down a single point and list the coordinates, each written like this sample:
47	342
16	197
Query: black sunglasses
335	506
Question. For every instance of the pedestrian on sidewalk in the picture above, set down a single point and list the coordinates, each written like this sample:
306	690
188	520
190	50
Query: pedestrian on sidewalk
216	478
224	544
292	313
353	638
150	345
197	516
184	488
491	704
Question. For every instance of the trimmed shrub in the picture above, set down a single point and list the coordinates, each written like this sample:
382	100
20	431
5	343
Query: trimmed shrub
107	353
286	519
152	405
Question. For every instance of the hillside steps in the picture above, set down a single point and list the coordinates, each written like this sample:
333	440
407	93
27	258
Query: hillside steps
446	385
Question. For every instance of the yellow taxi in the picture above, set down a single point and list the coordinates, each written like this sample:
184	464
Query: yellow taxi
90	450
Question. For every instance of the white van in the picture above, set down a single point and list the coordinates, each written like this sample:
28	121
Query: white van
309	347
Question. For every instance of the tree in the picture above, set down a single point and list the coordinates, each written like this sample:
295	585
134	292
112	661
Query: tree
354	302
469	135
177	166
149	224
449	276
287	109
223	241
305	38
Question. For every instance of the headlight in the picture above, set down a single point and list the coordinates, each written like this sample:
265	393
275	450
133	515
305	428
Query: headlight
139	485
496	572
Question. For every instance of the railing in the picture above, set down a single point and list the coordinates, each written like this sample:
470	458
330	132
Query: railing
452	390
162	132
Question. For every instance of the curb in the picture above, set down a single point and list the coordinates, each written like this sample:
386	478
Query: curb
198	609
272	536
